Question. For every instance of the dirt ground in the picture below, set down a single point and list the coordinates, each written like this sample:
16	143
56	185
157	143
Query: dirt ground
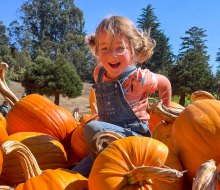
81	102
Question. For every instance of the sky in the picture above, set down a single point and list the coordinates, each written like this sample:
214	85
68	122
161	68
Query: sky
175	17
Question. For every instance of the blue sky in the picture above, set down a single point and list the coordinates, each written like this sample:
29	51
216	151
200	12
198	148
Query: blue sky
175	17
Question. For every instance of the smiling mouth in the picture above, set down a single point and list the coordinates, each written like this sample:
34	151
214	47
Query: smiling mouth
115	65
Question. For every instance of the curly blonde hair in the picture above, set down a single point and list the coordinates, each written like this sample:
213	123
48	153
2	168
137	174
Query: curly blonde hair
141	44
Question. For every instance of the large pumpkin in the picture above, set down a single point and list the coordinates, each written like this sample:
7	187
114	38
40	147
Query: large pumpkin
38	114
114	166
196	135
48	151
36	179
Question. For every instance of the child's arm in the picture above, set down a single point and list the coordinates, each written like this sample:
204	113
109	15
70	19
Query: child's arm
164	89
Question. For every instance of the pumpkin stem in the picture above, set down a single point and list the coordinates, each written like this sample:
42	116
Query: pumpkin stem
142	174
206	176
201	94
5	187
165	113
4	89
102	139
26	158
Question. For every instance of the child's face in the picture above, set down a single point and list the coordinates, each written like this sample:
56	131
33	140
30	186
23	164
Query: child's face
114	53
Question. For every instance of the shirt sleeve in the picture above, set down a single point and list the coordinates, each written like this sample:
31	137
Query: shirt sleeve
148	79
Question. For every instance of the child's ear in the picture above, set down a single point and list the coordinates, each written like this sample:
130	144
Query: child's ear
90	40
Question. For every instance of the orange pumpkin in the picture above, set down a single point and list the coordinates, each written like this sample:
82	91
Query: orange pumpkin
49	152
3	132
3	136
38	114
36	179
92	101
114	166
78	143
77	140
196	135
162	132
155	119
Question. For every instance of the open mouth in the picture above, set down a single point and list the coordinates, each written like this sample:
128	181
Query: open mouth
115	65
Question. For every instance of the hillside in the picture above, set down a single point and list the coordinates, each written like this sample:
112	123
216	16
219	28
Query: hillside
82	102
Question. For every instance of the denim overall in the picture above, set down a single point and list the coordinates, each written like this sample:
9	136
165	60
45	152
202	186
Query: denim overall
115	114
114	108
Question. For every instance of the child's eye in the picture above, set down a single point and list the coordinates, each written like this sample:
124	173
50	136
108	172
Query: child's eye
120	49
104	49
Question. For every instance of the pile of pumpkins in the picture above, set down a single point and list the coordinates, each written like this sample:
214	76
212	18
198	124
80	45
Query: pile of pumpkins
41	142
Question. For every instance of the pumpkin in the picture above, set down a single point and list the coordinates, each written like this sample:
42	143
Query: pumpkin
92	102
3	132
77	140
36	179
156	119
48	151
196	134
35	113
135	163
3	136
162	132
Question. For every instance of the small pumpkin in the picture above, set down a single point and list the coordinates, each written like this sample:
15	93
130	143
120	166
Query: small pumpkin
156	119
48	151
36	179
92	102
162	132
77	140
136	163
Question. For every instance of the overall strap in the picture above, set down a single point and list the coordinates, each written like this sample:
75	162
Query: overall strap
122	77
127	73
100	74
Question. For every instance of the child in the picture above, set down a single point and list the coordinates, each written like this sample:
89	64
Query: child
121	88
5	108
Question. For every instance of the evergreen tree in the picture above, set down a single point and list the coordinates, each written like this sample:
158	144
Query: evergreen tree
46	77
4	40
192	71
54	26
5	51
217	78
162	59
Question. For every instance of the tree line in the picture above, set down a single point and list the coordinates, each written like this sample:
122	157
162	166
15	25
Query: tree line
46	52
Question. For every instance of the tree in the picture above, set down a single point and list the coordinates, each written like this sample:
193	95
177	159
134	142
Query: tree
54	26
192	71
162	59
217	78
5	51
52	78
3	36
